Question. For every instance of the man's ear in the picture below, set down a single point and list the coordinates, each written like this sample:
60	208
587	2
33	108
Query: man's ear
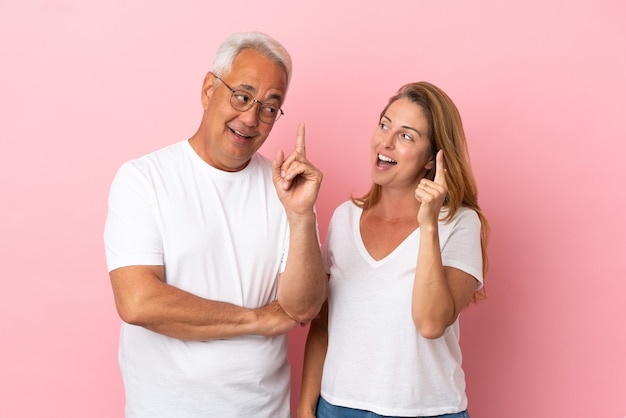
207	88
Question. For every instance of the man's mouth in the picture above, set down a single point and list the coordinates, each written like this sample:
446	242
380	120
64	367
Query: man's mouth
240	134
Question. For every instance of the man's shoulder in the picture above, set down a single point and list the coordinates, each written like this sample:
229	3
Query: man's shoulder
260	164
262	160
162	156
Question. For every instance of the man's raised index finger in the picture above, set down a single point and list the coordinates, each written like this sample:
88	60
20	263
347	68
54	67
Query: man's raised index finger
300	147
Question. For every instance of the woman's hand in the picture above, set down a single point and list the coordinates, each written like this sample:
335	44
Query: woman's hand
431	194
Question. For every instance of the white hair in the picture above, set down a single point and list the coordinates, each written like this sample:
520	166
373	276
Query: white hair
237	42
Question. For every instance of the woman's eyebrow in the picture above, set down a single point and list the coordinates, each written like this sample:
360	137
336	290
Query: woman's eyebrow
403	126
412	129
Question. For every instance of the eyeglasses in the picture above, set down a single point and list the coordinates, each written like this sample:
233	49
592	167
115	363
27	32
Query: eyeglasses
242	101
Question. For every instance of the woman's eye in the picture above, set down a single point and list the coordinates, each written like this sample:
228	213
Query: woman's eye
406	137
383	126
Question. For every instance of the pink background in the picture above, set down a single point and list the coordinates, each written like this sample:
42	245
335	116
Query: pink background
85	86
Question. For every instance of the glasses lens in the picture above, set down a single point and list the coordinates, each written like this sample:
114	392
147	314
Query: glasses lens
241	100
268	113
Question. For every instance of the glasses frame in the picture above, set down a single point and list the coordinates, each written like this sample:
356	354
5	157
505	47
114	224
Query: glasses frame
252	102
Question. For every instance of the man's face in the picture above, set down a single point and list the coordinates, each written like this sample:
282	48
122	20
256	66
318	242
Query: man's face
229	137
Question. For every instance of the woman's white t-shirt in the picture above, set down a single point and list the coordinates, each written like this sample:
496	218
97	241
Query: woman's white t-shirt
376	358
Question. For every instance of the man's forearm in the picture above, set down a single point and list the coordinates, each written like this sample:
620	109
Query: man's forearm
143	299
302	288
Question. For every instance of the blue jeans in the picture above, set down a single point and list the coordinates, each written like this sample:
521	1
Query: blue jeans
326	410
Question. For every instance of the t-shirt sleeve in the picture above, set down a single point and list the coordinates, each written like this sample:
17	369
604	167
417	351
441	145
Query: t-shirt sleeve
462	247
326	253
285	253
338	216
131	233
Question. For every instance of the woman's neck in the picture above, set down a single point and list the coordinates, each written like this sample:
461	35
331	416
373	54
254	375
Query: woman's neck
395	207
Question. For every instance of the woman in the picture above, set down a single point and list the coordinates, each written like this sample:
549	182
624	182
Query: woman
403	261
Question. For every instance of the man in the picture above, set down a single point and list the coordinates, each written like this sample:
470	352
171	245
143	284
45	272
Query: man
212	251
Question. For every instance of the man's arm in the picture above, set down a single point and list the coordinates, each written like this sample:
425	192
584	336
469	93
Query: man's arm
143	298
303	285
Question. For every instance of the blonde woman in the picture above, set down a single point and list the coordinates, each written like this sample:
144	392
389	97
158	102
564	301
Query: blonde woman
403	262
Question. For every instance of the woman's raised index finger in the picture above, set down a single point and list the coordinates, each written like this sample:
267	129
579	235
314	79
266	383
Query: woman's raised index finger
440	169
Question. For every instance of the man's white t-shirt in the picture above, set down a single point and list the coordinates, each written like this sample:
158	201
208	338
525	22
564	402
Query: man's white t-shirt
376	358
221	236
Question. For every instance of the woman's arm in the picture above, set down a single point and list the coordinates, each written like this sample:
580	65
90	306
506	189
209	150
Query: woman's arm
314	356
439	293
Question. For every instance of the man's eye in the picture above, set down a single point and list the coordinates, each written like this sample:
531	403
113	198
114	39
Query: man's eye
242	97
270	110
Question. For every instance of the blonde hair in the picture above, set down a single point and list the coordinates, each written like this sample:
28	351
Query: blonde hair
445	132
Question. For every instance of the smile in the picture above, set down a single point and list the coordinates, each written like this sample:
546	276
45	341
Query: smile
240	134
386	160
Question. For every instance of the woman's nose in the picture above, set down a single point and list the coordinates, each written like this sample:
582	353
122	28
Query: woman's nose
388	140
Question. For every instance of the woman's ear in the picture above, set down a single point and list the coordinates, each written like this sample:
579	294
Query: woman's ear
430	164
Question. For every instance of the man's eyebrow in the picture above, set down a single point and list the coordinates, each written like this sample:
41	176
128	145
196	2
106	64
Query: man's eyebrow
246	87
275	96
252	89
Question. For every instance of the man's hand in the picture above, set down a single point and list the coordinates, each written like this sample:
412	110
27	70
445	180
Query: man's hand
296	180
273	320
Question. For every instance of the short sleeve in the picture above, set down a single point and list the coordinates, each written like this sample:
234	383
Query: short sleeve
462	248
132	234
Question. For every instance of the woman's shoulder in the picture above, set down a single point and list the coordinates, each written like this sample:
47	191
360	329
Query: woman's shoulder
345	212
463	215
347	208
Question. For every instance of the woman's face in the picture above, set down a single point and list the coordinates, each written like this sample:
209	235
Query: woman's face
401	152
